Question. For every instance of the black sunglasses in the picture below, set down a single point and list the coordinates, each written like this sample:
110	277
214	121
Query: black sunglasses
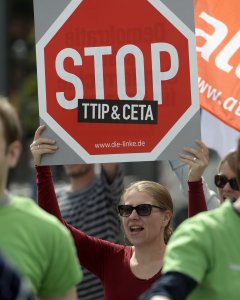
221	181
142	210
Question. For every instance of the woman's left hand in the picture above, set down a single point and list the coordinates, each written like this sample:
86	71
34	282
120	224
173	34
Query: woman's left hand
197	160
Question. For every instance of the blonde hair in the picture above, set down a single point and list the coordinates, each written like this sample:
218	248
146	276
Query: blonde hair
159	193
231	159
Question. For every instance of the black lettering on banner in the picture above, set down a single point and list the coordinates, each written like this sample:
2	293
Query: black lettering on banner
118	111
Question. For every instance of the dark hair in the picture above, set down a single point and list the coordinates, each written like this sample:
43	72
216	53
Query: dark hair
159	193
10	120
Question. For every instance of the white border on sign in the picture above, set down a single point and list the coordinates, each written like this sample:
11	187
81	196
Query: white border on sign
172	133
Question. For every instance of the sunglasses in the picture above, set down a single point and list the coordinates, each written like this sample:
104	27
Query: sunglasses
221	181
142	210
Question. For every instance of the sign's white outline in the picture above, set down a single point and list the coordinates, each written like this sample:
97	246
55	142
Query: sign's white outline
75	146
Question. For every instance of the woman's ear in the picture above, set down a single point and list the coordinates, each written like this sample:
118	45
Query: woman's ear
167	217
13	153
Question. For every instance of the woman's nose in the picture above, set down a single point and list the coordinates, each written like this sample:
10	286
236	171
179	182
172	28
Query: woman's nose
134	214
227	187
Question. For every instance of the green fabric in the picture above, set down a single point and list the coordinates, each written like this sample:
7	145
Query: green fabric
207	248
40	246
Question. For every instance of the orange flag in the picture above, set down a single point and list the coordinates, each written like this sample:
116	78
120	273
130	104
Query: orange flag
218	49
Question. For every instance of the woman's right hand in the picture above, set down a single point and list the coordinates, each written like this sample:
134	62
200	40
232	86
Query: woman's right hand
41	146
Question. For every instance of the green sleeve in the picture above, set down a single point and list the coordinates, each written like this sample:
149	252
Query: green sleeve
189	250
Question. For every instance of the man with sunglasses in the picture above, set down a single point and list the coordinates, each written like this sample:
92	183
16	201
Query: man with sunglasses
202	258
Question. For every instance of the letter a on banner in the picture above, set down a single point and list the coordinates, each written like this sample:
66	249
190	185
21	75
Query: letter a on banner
218	48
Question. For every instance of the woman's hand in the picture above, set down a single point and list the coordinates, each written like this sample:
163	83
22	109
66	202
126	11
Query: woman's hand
41	146
197	160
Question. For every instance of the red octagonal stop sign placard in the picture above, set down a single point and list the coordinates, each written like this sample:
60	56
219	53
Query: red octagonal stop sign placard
116	78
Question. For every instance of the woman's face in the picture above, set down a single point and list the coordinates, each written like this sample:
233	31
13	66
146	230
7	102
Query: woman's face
227	191
144	230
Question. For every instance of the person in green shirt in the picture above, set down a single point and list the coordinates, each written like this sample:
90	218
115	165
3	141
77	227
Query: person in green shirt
202	259
35	242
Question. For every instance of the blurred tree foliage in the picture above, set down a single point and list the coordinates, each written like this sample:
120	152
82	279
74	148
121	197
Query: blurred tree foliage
25	89
24	7
28	91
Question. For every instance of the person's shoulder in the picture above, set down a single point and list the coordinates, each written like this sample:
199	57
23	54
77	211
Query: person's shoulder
118	251
217	213
22	202
29	209
208	218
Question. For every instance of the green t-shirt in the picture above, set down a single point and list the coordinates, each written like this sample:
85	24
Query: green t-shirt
40	246
207	248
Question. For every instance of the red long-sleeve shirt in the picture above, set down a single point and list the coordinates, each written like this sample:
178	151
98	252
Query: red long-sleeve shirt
109	261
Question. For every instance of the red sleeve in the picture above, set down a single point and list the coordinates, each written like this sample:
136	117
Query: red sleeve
196	198
47	198
91	251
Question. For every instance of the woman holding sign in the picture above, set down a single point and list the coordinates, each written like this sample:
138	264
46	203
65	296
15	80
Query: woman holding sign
145	210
